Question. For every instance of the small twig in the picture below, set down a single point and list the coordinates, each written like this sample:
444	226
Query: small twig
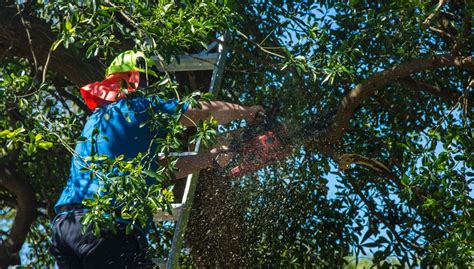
426	22
243	52
132	22
43	119
188	118
442	33
269	34
260	47
125	16
63	102
443	93
29	93
45	69
30	42
466	101
383	171
458	103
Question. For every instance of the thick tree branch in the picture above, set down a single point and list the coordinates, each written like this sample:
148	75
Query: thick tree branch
381	79
25	215
64	62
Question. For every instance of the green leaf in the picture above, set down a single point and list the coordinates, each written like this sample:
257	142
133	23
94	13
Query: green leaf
151	173
5	133
460	157
96	229
127	117
81	138
31	149
125	215
367	235
129	229
45	145
68	26
101	27
327	78
164	82
16	132
405	180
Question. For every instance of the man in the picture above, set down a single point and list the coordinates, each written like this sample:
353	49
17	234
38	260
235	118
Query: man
121	121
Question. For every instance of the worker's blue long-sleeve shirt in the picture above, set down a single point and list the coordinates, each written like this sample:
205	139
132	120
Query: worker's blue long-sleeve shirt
120	132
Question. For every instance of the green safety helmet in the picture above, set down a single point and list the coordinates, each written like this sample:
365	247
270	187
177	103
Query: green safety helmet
131	61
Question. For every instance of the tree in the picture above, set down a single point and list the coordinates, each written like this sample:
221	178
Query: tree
391	174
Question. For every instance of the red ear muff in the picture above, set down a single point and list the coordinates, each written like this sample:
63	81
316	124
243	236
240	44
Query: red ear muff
109	90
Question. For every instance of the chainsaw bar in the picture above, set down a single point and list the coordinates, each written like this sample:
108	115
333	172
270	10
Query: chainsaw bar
267	142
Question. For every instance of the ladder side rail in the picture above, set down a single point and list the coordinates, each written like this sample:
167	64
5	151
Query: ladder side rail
192	180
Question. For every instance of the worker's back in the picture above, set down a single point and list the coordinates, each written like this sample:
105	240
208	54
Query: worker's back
117	129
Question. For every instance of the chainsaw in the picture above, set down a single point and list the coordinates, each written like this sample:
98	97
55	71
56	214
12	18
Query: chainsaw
267	142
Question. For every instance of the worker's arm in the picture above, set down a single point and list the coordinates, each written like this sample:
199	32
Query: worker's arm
223	112
189	164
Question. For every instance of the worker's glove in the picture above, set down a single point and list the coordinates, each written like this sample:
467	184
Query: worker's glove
254	112
222	156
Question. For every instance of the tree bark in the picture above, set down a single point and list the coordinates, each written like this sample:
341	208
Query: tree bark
15	42
379	80
25	215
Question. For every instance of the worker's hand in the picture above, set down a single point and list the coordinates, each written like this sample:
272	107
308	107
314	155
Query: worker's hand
221	155
252	113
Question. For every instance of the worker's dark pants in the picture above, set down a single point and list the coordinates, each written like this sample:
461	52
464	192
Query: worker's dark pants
72	249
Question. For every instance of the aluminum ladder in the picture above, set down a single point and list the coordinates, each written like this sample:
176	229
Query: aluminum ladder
206	60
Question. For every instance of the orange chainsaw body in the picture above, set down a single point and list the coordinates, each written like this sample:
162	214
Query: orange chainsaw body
262	149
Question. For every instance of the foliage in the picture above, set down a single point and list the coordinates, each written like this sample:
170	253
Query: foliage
407	193
125	183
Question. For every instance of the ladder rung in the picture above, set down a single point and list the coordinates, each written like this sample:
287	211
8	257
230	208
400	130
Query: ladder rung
162	215
160	262
191	62
178	154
